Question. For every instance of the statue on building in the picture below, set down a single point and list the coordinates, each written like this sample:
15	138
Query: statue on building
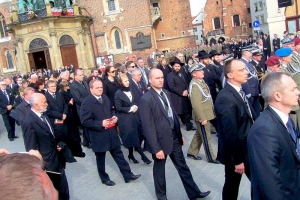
38	4
21	6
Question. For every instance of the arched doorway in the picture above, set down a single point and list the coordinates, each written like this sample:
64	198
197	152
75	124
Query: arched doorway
68	51
38	56
221	40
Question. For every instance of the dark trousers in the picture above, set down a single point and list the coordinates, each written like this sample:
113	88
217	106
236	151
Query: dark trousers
254	101
64	187
118	156
184	172
232	181
9	124
186	119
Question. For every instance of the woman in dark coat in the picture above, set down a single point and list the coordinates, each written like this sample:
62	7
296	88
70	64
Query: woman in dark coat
39	86
128	121
110	84
73	141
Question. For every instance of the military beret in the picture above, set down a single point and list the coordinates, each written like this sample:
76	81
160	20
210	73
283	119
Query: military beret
297	41
272	60
283	52
287	40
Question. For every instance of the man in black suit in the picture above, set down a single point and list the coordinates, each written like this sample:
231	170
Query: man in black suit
266	46
39	135
141	66
96	115
273	144
136	85
276	43
6	105
24	107
234	116
179	94
80	90
162	131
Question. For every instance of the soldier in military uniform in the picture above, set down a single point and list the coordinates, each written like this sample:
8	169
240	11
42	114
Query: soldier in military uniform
203	112
285	55
273	65
238	49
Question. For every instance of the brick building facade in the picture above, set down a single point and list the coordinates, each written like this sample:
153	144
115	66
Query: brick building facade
93	30
229	18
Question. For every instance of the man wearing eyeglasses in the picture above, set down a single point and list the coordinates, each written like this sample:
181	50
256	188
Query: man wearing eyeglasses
6	105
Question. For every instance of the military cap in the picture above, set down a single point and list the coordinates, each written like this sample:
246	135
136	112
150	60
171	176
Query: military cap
283	52
195	68
287	40
257	52
227	58
250	48
273	60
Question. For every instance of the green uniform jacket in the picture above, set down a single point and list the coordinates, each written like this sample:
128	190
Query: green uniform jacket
201	110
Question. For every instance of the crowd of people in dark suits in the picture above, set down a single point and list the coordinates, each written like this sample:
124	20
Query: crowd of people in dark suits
143	108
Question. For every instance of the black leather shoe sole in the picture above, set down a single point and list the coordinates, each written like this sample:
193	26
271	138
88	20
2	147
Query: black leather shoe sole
214	162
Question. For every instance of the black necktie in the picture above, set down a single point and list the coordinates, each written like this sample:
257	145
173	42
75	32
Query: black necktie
290	128
163	97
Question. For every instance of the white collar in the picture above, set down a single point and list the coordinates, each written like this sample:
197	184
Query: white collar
37	113
237	88
284	118
97	97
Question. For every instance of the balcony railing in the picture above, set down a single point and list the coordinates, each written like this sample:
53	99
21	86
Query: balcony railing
215	32
155	14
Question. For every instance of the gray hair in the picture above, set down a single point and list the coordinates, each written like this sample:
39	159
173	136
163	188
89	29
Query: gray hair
35	97
33	76
135	70
272	83
63	73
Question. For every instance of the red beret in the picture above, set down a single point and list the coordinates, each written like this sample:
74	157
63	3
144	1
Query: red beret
273	60
296	41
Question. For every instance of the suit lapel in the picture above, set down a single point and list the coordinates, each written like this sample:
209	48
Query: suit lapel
125	98
39	122
238	96
283	131
158	101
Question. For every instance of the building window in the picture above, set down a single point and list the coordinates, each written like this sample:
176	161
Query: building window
196	37
249	10
257	18
2	26
195	29
256	7
155	5
118	40
217	23
111	5
260	5
9	61
236	20
163	35
182	33
262	19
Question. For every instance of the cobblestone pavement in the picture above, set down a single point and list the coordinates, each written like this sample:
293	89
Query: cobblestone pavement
85	184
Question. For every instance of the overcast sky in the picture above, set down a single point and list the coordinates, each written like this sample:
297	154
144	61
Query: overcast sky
196	6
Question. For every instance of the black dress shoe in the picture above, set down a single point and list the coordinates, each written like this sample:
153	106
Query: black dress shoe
132	178
201	195
80	155
16	137
11	139
191	129
109	183
194	157
214	161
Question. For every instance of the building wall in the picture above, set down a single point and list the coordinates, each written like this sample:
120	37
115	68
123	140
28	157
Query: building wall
176	19
225	9
292	14
6	43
